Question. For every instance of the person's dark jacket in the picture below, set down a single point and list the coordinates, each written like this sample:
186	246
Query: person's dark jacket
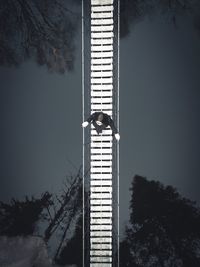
107	121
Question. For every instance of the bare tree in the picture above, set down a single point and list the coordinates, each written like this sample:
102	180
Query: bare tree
64	211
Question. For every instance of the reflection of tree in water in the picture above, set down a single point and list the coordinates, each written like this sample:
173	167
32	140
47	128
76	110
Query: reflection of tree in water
41	29
163	228
133	11
45	30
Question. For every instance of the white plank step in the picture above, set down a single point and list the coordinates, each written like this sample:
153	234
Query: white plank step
96	144
100	227
101	152
105	21
101	138
99	202
101	41
100	264
101	61
97	74
100	259
100	195
101	253
100	54
101	163
102	28
101	209
99	246
101	176
99	35
100	233
102	15
101	48
94	264
101	107
102	80
101	221
105	169
102	8
102	67
102	87
101	240
101	2
100	189
101	100
102	22
100	183
100	157
94	93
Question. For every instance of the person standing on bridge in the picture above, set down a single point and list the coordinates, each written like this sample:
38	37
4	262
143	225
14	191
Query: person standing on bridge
101	120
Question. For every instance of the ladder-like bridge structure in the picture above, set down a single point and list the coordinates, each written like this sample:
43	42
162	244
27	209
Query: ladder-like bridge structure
102	154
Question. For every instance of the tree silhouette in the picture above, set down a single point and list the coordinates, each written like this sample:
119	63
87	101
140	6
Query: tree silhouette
164	227
60	216
20	217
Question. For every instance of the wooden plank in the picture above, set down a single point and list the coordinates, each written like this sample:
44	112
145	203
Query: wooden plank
101	253
99	61
100	176
97	74
101	107
99	35
102	15
99	246
100	8
101	100
102	54
95	195
99	164
102	28
100	157
100	183
102	21
101	41
101	208
101	221
100	233
104	80
100	169
102	67
100	227
101	264
101	2
101	48
100	145
102	87
101	150
106	214
94	93
101	259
